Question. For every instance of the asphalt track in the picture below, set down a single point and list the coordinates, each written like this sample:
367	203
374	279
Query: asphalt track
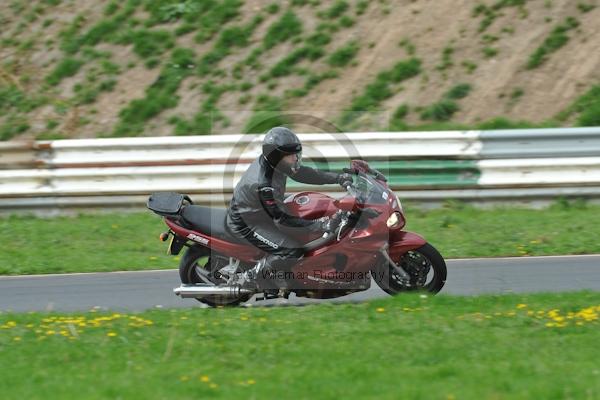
142	290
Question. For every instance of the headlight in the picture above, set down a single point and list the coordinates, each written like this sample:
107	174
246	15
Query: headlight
393	220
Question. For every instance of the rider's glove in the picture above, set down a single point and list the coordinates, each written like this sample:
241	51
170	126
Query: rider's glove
328	223
344	179
324	224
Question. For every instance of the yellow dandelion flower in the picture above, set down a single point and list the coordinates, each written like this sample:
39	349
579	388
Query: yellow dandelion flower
204	378
380	309
519	306
111	334
244	318
250	381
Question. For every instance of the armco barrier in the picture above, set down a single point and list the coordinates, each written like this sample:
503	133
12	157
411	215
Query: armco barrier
484	166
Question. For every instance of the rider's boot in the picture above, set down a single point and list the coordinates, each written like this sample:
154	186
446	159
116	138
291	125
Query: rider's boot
270	273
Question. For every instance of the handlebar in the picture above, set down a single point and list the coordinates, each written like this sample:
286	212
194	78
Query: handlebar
329	236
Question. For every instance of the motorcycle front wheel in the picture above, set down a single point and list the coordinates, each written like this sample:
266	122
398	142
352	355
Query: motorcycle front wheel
426	269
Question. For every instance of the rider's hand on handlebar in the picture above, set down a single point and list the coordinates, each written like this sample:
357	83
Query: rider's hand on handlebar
329	223
325	224
345	180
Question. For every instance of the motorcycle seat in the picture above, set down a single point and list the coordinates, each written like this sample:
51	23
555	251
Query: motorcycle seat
210	221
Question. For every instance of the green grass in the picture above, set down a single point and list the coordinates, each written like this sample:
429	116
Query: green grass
111	242
159	96
397	120
12	126
286	65
379	90
408	46
14	99
211	21
587	107
585	8
488	14
64	69
105	30
88	94
147	43
443	110
489	52
446	61
459	91
557	39
361	6
334	11
535	346
229	38
203	121
285	28
344	54
268	113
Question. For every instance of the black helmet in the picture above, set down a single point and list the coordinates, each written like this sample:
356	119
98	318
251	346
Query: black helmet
278	143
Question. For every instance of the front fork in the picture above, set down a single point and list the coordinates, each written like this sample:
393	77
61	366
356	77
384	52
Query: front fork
397	268
399	244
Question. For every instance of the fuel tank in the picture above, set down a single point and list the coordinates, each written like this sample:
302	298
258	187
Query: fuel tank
310	205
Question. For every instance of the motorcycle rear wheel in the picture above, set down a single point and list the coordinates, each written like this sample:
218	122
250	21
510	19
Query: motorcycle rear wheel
199	257
424	260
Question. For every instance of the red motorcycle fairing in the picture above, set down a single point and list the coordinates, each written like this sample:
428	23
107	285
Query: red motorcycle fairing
244	252
402	241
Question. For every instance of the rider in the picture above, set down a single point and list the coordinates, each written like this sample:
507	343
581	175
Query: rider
257	211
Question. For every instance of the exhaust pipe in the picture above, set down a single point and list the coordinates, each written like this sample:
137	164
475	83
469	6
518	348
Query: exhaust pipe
202	290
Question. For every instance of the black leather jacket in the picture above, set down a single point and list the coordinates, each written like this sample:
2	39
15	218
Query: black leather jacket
259	195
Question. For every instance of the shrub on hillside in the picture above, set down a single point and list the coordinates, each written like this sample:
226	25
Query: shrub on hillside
64	69
288	26
343	55
440	111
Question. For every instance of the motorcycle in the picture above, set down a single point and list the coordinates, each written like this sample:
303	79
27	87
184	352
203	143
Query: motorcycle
365	240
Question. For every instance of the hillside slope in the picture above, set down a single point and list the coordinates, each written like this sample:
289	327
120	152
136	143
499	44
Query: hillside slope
87	68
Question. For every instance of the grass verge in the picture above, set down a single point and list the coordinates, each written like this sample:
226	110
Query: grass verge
538	346
112	242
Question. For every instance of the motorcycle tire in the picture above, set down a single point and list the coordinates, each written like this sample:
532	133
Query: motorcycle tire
425	255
